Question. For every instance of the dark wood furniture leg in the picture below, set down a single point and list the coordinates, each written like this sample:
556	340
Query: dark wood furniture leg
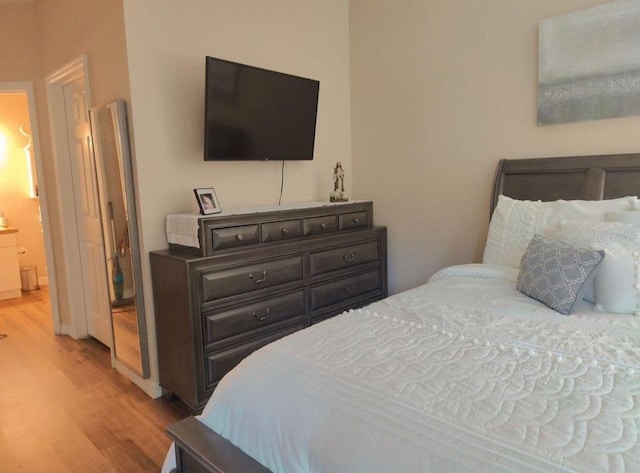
201	450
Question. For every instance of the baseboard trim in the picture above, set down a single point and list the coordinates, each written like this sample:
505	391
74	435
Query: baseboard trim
150	387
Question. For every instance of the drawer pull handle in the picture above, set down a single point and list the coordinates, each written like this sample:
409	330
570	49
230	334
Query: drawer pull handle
285	231
350	289
259	317
349	259
323	226
239	237
258	280
356	221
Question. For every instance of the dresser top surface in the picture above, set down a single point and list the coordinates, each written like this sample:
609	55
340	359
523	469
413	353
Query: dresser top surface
265	209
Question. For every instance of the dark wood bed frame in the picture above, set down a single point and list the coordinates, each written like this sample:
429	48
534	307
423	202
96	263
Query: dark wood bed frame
569	178
200	449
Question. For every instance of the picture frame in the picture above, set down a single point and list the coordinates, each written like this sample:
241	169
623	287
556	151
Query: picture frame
207	200
588	64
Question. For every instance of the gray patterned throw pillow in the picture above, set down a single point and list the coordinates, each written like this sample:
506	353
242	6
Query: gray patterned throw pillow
556	273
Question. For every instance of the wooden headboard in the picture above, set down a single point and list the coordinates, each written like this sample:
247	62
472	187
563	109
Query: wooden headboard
580	177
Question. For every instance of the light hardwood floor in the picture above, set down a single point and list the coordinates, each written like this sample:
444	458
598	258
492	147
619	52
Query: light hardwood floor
64	409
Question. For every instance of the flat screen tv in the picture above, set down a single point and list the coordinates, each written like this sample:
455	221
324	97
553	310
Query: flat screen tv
257	114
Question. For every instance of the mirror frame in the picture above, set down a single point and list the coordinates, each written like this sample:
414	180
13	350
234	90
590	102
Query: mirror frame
118	113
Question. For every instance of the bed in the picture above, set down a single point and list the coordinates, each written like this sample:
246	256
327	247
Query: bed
473	371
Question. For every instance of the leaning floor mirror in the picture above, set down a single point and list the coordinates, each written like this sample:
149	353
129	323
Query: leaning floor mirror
120	234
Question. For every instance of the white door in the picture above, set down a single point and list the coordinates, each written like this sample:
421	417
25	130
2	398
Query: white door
96	297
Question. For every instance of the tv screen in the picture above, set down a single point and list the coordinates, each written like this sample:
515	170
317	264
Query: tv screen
257	114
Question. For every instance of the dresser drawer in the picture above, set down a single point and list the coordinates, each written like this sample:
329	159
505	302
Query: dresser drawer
352	220
277	231
247	283
234	237
346	290
344	257
319	225
253	316
243	279
218	364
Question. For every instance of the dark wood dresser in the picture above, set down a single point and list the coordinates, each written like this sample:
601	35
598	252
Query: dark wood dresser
259	276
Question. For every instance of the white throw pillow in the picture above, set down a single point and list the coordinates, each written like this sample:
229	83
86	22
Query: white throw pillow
629	216
513	225
598	236
618	282
515	222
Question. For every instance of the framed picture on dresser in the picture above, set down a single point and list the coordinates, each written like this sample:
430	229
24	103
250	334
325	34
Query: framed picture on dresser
207	201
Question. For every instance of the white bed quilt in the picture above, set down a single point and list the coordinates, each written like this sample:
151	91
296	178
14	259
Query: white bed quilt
463	374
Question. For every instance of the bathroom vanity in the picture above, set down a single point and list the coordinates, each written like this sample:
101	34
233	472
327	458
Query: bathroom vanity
10	273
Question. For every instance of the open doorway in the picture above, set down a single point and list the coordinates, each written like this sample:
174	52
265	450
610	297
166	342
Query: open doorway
20	206
78	288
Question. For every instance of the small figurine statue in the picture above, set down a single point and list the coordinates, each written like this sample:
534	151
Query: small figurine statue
338	194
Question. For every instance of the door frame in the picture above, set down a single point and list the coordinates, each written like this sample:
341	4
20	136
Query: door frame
72	274
71	271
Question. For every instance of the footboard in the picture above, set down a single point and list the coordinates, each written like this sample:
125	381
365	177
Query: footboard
200	450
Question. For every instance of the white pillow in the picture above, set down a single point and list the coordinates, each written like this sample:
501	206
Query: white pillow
626	216
515	222
618	282
597	236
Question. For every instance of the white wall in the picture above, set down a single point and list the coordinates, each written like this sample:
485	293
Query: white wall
441	90
167	42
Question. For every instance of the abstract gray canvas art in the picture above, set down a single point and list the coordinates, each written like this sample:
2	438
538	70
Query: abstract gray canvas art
589	64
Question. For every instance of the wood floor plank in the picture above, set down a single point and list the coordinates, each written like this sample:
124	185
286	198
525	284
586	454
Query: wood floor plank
63	408
127	457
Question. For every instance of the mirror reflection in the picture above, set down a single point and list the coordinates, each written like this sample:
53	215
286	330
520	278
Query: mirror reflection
122	255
